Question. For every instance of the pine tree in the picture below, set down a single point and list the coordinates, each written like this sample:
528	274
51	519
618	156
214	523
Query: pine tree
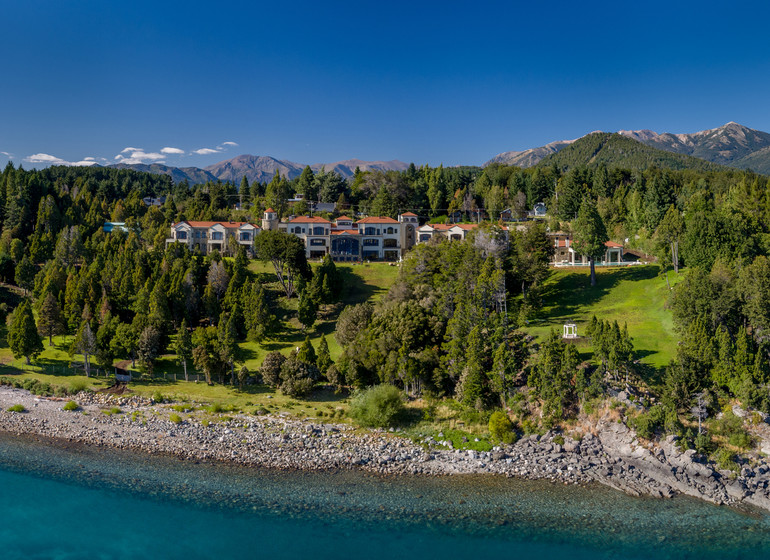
590	234
324	360
49	320
307	352
23	338
84	343
228	344
307	311
183	346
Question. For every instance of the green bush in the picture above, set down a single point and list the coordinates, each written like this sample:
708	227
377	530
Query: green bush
157	396
731	428
378	406
78	385
725	460
501	427
175	418
559	440
70	406
17	408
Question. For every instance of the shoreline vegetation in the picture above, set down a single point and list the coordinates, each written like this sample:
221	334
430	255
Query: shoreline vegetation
610	454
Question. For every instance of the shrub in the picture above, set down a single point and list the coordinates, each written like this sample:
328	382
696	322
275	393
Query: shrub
111	411
175	418
297	377
559	440
78	385
501	427
270	370
157	396
17	408
378	406
70	406
725	460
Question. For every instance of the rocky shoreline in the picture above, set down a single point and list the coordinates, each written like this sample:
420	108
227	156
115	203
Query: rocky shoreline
611	455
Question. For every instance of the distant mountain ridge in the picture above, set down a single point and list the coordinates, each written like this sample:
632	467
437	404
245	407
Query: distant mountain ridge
260	168
615	150
731	144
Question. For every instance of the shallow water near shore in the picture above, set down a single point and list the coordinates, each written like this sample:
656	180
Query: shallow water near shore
72	501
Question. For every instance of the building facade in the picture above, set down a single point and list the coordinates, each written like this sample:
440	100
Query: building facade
208	236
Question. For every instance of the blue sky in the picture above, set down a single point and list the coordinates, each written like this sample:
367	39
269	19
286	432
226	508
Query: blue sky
429	82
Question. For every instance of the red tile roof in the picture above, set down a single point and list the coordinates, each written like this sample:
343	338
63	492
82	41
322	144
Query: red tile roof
309	219
409	214
377	220
613	245
228	225
270	210
344	219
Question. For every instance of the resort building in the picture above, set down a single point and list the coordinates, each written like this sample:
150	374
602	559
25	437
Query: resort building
565	253
373	238
207	236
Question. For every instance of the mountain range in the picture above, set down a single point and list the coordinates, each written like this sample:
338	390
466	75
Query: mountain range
732	145
260	168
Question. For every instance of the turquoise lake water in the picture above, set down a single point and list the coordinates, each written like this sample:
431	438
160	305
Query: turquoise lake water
68	501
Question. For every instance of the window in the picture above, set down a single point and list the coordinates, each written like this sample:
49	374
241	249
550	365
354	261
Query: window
217	236
390	231
318	230
318	242
369	231
181	235
297	230
392	243
371	242
424	237
245	236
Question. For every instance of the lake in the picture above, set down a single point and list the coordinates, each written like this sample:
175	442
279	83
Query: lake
67	501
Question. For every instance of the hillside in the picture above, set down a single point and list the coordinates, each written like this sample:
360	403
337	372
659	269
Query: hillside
531	157
730	144
636	296
615	150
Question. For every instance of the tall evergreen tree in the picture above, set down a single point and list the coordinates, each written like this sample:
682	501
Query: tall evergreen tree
49	319
23	338
590	234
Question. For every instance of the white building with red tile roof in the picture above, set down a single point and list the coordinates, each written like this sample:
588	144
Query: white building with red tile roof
208	236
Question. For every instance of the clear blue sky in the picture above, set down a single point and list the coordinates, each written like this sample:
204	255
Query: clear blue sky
429	82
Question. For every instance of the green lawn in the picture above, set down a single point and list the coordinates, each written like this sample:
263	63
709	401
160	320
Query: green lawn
634	295
363	282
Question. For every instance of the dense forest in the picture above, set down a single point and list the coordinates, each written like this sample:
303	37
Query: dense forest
453	324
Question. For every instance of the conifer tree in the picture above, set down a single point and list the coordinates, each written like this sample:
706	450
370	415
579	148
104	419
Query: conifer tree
23	338
590	234
183	346
324	360
307	352
307	311
49	320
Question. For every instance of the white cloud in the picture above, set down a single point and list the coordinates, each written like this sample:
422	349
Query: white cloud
168	150
48	159
8	155
229	144
206	151
89	158
137	155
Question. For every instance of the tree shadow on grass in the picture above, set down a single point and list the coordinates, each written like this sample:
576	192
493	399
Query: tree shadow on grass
570	292
355	290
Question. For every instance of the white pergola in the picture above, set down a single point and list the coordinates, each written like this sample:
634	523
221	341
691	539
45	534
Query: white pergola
570	331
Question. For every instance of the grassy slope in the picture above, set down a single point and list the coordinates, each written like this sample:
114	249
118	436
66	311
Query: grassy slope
633	295
362	282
